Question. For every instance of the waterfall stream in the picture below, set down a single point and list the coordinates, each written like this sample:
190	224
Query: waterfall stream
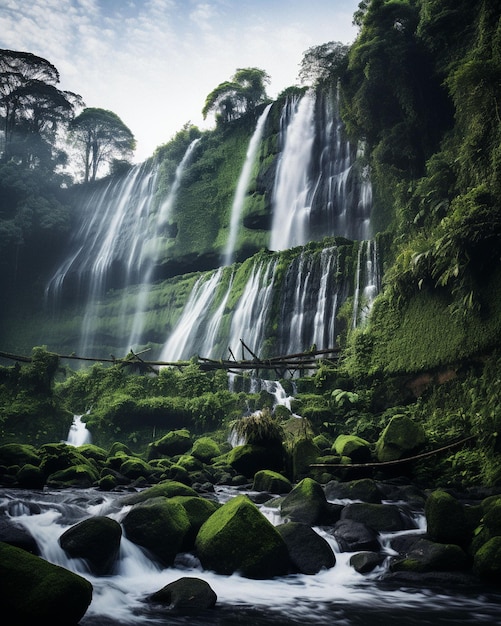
243	183
338	595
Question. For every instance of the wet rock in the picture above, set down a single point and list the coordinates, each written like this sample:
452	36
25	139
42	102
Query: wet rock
305	503
272	482
427	556
364	489
365	562
379	517
354	536
16	535
34	591
186	595
97	540
446	519
308	551
239	538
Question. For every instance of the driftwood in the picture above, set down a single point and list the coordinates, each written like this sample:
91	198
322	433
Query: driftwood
293	362
407	459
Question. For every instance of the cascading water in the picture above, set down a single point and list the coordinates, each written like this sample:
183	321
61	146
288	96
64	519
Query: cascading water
366	282
243	183
162	216
321	186
338	595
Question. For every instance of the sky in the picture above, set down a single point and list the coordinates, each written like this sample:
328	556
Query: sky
153	62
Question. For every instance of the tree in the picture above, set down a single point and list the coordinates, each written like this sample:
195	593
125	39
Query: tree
232	99
323	63
32	108
102	138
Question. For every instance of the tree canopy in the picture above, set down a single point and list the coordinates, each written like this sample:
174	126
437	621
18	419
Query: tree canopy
236	97
323	63
101	137
32	108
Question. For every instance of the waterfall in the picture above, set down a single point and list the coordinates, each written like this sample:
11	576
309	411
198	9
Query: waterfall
78	434
162	216
367	282
291	194
322	187
242	186
251	313
310	299
184	341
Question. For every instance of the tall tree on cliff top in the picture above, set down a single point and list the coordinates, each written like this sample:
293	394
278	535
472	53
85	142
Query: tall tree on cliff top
32	108
232	99
101	137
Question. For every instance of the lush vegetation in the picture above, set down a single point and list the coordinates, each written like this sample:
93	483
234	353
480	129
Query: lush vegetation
421	87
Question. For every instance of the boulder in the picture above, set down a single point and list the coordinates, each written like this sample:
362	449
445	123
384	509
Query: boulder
34	591
205	449
16	535
97	540
30	477
173	443
304	453
308	551
446	519
487	561
249	459
399	438
159	525
271	482
364	489
18	454
305	503
365	562
187	594
356	448
134	467
354	536
198	510
427	556
379	517
82	476
238	538
167	489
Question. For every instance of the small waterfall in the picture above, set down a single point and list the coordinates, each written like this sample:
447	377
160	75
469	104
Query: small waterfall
251	313
310	299
242	186
78	434
367	282
184	342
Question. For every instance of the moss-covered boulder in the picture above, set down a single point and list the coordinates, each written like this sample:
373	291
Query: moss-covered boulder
364	489
167	489
18	454
30	477
173	443
304	453
160	525
429	556
237	538
205	449
198	510
82	476
446	521
308	551
134	467
91	451
249	459
399	439
305	503
356	448
97	540
487	561
271	482
34	591
187	594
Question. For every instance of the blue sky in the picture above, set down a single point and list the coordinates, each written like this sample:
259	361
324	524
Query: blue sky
153	62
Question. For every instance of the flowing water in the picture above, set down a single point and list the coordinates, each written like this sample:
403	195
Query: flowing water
335	596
